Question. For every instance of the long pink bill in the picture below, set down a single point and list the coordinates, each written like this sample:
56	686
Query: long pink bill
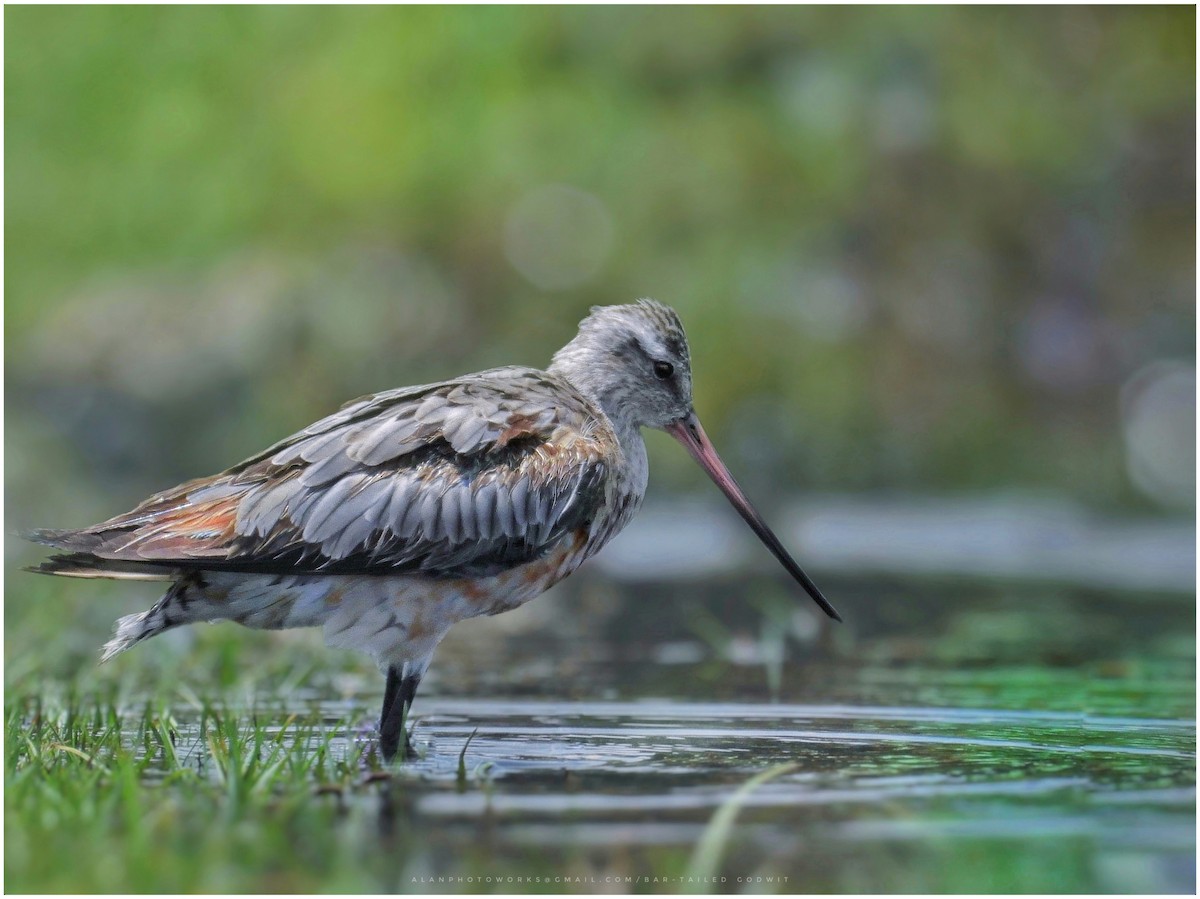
692	436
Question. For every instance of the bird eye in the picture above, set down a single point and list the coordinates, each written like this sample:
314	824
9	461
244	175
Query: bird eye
663	370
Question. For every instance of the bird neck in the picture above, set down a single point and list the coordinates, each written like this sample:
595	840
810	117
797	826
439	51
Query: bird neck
592	373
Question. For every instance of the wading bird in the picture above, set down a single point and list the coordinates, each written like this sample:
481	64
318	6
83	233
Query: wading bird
410	510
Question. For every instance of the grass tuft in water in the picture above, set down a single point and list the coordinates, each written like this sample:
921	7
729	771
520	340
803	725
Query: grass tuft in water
139	807
461	779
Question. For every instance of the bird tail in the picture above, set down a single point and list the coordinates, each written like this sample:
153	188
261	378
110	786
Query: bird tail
80	561
129	630
85	566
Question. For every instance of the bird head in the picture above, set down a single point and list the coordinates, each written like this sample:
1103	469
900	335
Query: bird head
633	360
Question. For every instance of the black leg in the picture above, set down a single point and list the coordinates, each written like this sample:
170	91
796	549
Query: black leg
398	699
388	742
389	693
408	692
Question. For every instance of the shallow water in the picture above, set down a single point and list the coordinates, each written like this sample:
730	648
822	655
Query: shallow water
891	797
958	744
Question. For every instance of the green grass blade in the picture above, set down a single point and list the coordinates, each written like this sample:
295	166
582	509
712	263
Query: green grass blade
710	849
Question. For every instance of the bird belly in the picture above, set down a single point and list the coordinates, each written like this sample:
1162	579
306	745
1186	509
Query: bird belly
391	618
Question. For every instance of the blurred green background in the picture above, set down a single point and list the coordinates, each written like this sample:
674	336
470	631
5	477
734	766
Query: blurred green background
915	249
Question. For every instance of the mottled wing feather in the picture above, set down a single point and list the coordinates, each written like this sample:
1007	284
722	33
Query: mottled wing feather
467	477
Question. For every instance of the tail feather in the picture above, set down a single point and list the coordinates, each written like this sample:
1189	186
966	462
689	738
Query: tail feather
79	541
89	566
79	561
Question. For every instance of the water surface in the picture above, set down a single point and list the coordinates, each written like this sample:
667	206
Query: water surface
973	740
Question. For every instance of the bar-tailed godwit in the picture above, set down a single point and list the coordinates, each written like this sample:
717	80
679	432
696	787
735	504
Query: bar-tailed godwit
410	510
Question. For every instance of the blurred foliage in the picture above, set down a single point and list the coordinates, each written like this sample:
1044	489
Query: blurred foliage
915	248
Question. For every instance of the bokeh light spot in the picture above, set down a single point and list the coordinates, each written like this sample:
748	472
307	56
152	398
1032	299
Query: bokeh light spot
558	236
1158	407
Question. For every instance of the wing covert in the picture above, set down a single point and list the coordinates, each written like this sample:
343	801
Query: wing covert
467	477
